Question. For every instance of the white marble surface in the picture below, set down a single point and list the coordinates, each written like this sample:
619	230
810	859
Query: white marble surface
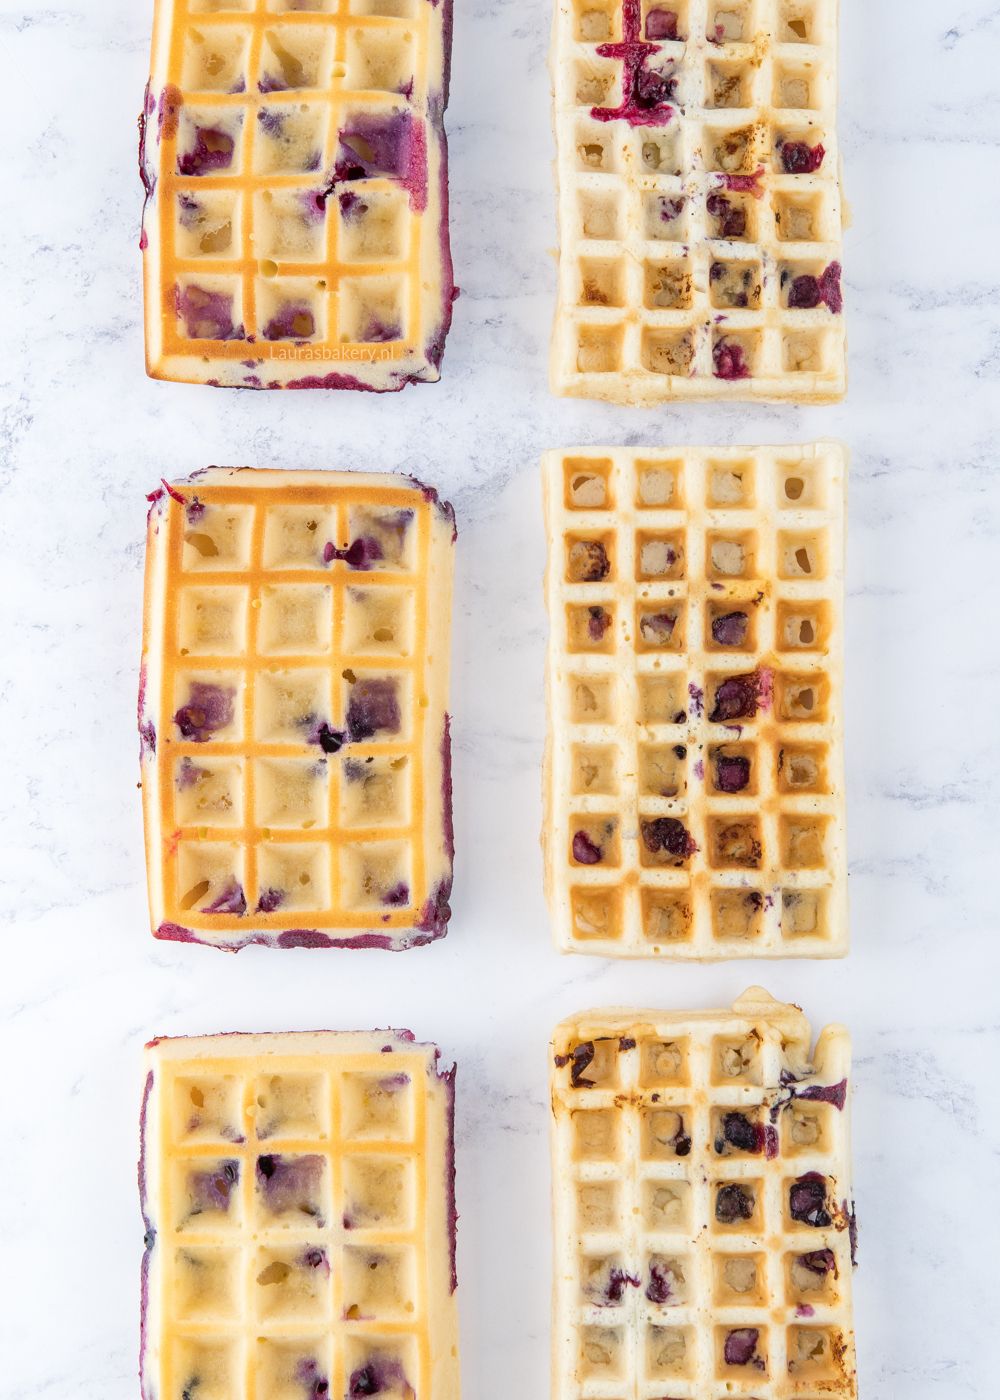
83	435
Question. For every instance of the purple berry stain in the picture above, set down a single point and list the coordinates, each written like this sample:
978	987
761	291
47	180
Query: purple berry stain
232	900
740	1347
291	1184
212	1190
292	322
737	697
732	772
733	1203
373	708
729	360
579	1060
361	553
212	151
209	708
585	851
270	900
807	292
731	218
598	622
730	630
797	158
807	1201
658	1289
668	836
647	93
741	1133
206	315
662	24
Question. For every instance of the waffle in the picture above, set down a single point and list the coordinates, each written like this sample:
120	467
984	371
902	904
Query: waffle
699	200
294	739
295	233
298	1197
694	768
704	1224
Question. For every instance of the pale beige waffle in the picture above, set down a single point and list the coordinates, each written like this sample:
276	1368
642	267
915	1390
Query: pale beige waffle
683	820
294	735
700	249
295	233
298	1197
703	1215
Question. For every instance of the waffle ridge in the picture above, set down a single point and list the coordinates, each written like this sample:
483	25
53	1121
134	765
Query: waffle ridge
694	761
298	1196
698	200
295	232
704	1219
295	743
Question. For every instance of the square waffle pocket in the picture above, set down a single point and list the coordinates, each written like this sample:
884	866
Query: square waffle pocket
703	1215
699	201
295	232
694	767
293	723
298	1197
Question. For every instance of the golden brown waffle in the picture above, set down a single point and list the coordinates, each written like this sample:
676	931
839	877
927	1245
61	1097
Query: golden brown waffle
699	200
298	1197
294	735
694	770
703	1215
295	233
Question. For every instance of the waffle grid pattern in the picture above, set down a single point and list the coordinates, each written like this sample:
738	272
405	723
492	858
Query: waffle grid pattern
694	762
297	192
703	1208
299	1232
298	758
699	200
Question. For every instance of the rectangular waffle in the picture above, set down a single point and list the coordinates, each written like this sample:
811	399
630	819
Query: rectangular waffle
699	200
694	769
298	1197
703	1215
295	233
294	737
